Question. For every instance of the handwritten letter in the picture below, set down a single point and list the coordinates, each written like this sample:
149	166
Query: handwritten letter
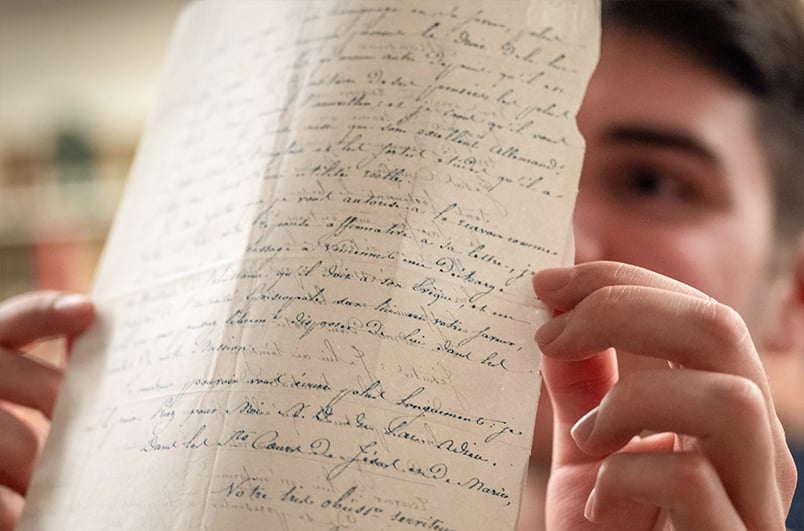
315	306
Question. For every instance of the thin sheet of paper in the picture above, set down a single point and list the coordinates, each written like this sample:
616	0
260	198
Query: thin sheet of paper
315	308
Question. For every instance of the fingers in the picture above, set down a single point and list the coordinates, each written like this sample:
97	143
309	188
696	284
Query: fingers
684	484
576	387
675	324
732	431
24	319
563	288
25	382
649	319
10	508
721	398
18	448
38	315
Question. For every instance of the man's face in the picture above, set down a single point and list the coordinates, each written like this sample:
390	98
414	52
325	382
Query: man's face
674	179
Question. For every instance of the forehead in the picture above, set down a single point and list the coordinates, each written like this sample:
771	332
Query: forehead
644	80
645	83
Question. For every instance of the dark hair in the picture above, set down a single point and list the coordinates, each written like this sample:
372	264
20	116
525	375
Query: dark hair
759	44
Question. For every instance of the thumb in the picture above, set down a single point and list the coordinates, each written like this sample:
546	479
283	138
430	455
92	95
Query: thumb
43	314
575	388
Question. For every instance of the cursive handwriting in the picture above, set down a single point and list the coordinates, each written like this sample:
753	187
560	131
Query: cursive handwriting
315	307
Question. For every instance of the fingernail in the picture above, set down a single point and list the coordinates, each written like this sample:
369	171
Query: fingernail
550	330
552	279
590	508
70	302
583	428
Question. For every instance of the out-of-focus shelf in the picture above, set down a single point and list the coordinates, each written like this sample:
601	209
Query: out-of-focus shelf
58	211
56	208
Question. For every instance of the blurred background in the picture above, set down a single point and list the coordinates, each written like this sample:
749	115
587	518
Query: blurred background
77	79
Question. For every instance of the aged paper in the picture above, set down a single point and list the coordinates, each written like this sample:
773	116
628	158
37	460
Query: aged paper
315	306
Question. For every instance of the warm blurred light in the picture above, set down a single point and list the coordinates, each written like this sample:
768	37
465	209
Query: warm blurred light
91	61
77	79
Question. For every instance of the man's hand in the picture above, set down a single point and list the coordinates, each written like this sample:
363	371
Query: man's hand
28	383
717	459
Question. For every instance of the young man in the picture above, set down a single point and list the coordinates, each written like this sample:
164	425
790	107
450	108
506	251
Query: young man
692	119
694	123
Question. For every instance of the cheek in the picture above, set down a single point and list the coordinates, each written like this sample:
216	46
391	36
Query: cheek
717	257
724	254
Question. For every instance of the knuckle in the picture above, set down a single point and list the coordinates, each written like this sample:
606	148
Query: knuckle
623	273
602	298
692	476
599	312
741	395
725	324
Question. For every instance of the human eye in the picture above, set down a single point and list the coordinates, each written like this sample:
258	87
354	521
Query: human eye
658	187
650	183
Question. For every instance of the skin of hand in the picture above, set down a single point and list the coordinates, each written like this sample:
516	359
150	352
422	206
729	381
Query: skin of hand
717	457
26	382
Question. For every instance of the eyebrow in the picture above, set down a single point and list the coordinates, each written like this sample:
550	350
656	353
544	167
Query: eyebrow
662	138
